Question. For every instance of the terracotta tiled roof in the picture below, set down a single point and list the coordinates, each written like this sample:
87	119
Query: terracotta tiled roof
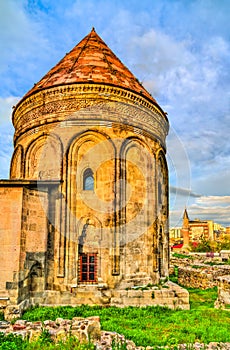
91	61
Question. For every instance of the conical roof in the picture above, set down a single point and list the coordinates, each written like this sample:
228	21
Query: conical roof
91	61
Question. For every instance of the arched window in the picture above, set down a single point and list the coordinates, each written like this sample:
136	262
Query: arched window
88	180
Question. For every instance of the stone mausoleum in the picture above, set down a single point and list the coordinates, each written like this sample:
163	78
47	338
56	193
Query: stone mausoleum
84	214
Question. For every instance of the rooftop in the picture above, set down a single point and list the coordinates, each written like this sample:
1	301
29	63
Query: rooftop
91	61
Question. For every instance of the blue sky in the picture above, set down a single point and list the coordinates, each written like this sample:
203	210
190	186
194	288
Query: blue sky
179	50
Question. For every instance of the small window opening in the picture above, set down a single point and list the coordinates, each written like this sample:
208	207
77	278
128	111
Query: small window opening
88	268
88	180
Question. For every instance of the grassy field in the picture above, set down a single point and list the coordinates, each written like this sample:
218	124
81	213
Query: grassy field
202	299
153	326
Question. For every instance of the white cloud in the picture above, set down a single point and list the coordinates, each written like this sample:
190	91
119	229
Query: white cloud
23	45
216	208
6	149
6	134
6	105
180	50
214	200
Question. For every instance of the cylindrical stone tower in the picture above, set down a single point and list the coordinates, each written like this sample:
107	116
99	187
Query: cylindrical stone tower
90	126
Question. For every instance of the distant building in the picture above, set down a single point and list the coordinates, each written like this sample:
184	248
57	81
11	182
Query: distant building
194	230
175	234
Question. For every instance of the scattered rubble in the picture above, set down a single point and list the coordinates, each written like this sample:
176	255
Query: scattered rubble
88	330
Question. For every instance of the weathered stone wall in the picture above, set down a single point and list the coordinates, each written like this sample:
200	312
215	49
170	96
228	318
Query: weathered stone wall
198	270
202	277
195	259
223	299
35	220
10	234
33	242
123	220
168	294
125	216
120	218
23	234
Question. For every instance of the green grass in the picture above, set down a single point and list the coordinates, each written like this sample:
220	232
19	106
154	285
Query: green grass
182	256
174	276
151	326
202	299
216	263
155	326
15	342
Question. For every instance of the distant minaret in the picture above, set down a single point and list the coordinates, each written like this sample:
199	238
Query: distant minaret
185	230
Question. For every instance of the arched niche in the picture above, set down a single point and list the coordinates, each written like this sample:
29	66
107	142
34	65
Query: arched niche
95	151
162	184
137	205
16	167
89	252
162	214
35	278
91	156
137	171
44	158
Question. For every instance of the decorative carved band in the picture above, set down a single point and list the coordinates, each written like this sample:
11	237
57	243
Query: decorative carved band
104	114
70	98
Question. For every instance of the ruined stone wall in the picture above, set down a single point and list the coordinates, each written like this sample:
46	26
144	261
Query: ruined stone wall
201	277
223	299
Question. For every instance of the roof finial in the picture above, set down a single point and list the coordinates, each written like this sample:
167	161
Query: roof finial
93	29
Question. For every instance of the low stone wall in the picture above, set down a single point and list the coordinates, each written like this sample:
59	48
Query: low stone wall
195	259
201	276
169	294
223	299
84	329
166	294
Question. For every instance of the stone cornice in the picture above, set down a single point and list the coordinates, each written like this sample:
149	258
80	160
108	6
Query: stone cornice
30	183
60	103
102	89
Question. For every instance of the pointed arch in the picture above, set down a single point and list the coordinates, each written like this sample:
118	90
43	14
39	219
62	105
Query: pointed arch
90	161
43	159
17	162
163	212
162	183
137	210
89	258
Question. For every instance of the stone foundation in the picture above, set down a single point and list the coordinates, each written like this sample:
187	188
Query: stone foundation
168	295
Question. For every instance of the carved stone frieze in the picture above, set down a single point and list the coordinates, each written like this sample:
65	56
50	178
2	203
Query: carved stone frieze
61	102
